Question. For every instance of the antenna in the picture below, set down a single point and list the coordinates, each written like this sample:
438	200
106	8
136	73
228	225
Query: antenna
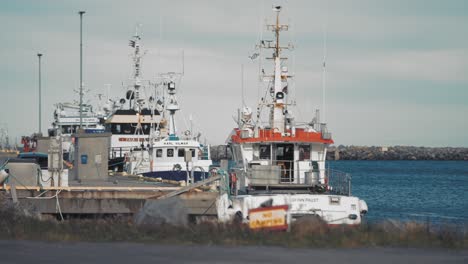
293	62
39	55
324	72
81	67
260	35
108	86
242	85
160	40
183	62
191	124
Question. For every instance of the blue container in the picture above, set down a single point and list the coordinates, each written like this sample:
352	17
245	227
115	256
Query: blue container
84	159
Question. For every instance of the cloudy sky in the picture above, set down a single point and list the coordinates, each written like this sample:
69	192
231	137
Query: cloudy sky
397	71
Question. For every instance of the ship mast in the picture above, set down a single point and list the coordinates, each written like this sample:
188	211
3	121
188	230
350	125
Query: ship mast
172	107
279	90
135	43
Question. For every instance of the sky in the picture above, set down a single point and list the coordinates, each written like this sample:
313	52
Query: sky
397	71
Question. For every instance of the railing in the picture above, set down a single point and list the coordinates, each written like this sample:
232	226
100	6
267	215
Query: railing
339	182
299	174
284	172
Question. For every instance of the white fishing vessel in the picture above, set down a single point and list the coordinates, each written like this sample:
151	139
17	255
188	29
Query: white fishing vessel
66	121
282	163
134	117
172	156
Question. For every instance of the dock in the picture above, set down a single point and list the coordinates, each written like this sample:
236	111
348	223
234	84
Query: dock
119	196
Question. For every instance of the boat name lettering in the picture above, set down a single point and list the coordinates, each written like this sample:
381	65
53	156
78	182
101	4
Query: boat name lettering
304	200
77	120
175	143
133	139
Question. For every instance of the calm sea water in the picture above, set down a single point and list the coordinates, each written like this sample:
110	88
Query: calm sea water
434	191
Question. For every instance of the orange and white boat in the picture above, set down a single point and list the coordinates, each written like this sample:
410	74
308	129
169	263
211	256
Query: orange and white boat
282	162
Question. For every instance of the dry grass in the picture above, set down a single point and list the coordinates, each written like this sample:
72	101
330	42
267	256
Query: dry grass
306	233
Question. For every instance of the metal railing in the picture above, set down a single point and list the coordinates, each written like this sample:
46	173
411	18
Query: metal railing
285	172
300	174
339	182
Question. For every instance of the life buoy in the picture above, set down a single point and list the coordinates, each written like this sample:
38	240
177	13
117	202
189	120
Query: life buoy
177	167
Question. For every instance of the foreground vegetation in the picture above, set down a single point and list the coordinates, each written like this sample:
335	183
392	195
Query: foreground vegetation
14	224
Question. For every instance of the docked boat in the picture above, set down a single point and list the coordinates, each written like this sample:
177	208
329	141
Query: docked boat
283	162
133	118
66	122
172	156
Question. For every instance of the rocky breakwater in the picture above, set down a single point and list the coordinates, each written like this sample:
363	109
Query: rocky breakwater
341	152
396	153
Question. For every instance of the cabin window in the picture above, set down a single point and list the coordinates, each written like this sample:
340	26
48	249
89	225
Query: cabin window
304	152
193	152
181	152
265	152
123	128
158	153
280	151
170	153
315	166
128	129
237	153
146	129
255	152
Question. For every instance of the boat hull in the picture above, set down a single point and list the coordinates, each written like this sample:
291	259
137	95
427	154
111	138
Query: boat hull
333	209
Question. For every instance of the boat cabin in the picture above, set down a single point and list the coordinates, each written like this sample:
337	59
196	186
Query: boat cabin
291	160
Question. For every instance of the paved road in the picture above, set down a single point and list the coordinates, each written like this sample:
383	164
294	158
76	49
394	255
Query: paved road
70	253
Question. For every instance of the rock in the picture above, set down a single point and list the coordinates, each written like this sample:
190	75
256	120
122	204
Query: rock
163	211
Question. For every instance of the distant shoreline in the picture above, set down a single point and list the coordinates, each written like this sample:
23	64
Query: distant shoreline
377	153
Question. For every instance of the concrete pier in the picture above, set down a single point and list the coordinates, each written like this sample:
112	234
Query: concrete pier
120	195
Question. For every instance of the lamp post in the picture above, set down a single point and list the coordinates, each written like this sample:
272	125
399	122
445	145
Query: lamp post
39	55
81	68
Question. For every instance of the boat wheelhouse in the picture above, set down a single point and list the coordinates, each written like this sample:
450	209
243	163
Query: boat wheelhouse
173	159
297	157
130	129
67	119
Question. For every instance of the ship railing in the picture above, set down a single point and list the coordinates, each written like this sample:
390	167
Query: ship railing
298	174
284	172
338	182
